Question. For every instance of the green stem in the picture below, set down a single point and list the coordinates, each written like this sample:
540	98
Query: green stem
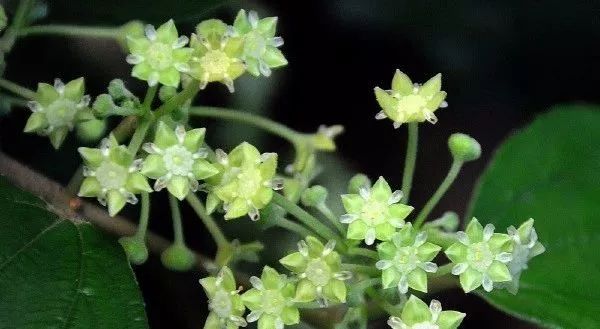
71	30
410	160
139	136
14	101
307	219
360	268
178	100
363	252
144	216
442	239
208	220
293	227
382	303
16	89
19	20
177	225
435	198
270	126
326	211
150	94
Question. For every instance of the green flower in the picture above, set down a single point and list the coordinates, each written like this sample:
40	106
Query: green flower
217	55
245	183
160	55
56	109
406	260
416	315
408	102
112	175
224	302
480	256
176	160
271	300
374	213
525	247
318	270
260	43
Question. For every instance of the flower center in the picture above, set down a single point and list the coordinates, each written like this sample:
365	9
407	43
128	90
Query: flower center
411	104
215	63
374	212
425	325
159	56
272	301
61	112
178	160
111	175
255	44
318	272
221	304
249	182
479	256
406	259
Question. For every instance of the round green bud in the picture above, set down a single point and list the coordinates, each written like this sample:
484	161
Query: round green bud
130	29
464	147
135	248
358	181
166	92
314	196
178	257
3	18
91	131
103	105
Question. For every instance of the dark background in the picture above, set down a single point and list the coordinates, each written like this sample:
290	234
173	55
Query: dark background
502	62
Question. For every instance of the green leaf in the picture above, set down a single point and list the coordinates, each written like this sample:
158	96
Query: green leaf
551	172
58	274
119	12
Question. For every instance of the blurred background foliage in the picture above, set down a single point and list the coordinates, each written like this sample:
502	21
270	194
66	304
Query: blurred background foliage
502	62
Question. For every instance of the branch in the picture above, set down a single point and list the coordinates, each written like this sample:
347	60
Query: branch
64	205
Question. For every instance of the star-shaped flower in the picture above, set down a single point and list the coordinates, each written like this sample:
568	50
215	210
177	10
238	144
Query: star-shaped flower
224	302
417	315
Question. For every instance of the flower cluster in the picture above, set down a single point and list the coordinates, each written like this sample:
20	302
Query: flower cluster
216	52
417	315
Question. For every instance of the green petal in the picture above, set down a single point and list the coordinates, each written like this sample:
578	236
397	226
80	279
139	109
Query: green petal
236	70
141	71
500	242
428	251
381	190
274	57
295	262
138	45
400	211
388	103
386	250
234	47
245	152
357	230
116	201
169	77
470	280
252	299
450	319
241	23
315	247
353	203
384	232
179	186
36	122
268	167
46	94
457	252
228	279
417	279
401	83
182	55
290	315
212	322
252	66
270	278
415	311
435	102
92	157
167	32
137	183
262	197
154	166
336	291
194	139
90	187
120	155
267	26
227	192
306	292
237	208
74	89
525	229
474	231
57	136
389	278
209	284
432	86
266	321
498	272
212	202
165	136
202	169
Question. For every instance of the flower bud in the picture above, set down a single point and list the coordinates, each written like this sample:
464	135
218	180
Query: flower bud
133	29
464	147
314	196
166	92
448	222
91	131
358	181
135	248
178	257
3	18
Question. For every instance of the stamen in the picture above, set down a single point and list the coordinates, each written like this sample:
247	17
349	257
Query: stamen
181	42
420	239
328	247
504	257
180	133
343	275
34	106
348	218
277	42
370	236
253	19
153	79
462	238
150	32
222	157
254	214
488	231
459	268
365	192
228	82
303	248
182	67
397	124
380	115
253	316
403	284
395	197
488	284
151	148
383	264
264	68
59	86
256	283
134	59
277	183
429	267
